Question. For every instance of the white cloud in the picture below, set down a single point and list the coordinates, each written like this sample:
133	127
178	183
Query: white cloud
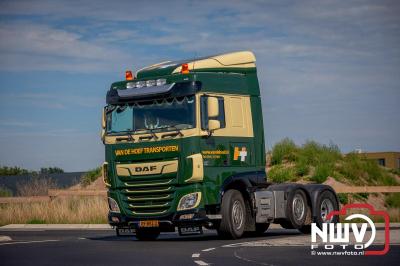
36	47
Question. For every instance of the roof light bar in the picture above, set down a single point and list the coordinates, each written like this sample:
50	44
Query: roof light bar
147	83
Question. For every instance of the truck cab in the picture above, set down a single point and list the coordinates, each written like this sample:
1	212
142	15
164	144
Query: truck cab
184	148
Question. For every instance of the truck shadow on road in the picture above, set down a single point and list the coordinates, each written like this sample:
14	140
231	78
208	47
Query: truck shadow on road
208	236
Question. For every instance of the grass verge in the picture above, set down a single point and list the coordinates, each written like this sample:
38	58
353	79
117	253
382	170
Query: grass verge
68	210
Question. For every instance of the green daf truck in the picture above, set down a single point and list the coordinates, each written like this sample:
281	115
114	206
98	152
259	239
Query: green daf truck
185	149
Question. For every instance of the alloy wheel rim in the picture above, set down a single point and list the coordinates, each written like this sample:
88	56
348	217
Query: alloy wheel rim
326	208
237	215
298	207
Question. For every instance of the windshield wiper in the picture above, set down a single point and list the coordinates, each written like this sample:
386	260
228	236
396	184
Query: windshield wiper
127	137
179	132
177	129
151	132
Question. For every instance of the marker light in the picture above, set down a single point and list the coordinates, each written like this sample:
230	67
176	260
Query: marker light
130	85
150	83
160	82
128	75
185	69
140	84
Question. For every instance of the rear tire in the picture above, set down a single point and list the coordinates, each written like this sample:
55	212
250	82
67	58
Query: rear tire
147	234
326	203
233	212
297	209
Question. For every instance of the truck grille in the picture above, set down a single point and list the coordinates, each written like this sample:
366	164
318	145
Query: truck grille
148	195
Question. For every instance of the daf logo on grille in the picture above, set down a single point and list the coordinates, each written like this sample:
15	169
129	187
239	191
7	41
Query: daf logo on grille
150	168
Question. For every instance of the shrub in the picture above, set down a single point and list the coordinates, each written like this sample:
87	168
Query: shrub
352	167
360	196
313	153
5	192
35	187
283	150
6	170
281	174
343	198
90	176
356	168
51	170
395	171
322	171
302	169
393	200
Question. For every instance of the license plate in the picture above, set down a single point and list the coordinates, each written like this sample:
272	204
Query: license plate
149	223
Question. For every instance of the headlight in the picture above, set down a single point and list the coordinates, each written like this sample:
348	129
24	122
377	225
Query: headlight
140	84
150	83
189	201
113	205
130	85
160	82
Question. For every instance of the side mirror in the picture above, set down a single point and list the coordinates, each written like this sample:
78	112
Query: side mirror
213	125
103	135
212	107
103	119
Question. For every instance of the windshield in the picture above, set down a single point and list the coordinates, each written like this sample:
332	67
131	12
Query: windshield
157	115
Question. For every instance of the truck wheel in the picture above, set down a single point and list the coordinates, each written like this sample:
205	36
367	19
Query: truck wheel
233	215
306	228
325	204
146	234
297	208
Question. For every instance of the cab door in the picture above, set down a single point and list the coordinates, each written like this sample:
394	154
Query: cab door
230	140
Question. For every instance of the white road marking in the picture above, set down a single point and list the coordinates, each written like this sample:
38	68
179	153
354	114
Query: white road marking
208	249
235	245
200	262
82	238
195	255
27	242
5	238
251	261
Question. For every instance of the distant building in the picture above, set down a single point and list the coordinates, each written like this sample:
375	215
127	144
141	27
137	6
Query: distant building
386	159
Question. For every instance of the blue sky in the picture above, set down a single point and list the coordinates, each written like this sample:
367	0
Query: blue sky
329	70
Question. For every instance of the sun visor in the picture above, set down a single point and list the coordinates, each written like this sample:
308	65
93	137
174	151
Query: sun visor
120	96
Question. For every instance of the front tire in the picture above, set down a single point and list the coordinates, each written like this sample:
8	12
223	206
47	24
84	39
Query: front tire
233	215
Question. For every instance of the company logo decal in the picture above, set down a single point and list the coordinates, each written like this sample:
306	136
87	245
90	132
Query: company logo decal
353	237
150	168
214	154
242	153
146	150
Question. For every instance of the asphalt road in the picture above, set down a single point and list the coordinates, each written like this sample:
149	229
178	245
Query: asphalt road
102	247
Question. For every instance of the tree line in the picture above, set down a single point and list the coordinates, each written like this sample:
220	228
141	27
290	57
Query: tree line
15	170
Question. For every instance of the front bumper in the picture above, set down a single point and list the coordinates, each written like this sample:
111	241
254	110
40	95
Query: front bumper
167	223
